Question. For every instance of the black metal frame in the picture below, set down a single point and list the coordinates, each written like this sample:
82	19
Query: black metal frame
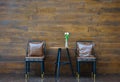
27	65
59	63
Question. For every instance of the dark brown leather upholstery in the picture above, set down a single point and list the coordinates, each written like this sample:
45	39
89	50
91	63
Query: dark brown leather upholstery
35	49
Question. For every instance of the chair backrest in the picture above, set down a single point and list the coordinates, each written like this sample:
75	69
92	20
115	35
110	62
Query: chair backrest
85	48
35	48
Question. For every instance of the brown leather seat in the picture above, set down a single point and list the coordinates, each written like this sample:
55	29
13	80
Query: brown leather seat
89	58
35	53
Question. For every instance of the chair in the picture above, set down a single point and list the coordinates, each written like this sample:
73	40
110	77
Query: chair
85	53
35	52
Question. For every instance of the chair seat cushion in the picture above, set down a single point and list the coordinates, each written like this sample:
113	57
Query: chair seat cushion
34	58
88	58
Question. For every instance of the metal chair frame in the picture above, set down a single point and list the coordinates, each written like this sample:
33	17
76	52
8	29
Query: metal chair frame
78	62
27	69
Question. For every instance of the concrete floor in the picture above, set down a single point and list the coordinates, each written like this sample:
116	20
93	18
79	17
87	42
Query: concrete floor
21	78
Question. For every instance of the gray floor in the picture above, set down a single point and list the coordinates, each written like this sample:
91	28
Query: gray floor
21	78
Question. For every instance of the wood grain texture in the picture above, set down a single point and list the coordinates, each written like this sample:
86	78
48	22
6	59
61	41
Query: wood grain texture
96	20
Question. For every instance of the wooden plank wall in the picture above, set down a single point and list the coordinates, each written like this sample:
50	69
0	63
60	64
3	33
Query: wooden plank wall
97	20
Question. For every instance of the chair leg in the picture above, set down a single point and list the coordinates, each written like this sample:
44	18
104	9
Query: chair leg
92	75
94	70
42	69
78	69
26	69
